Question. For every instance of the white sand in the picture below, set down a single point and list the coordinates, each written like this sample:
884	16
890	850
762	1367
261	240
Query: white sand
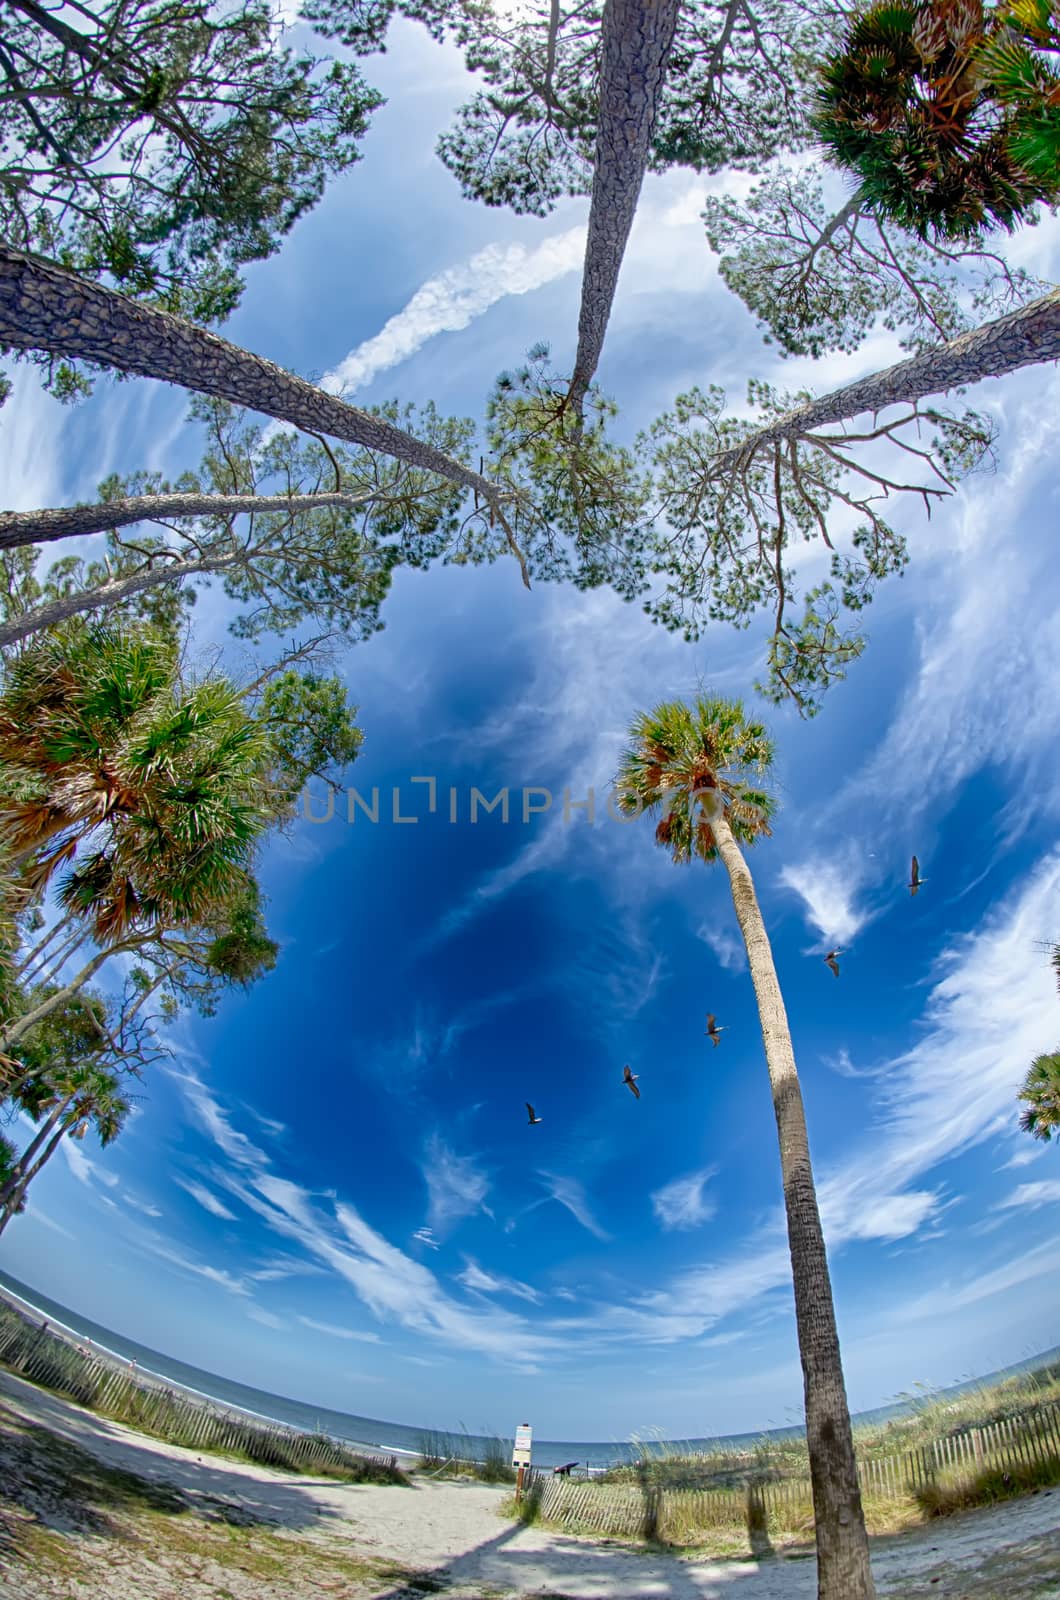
453	1532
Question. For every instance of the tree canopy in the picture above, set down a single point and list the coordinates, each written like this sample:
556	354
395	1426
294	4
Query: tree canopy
163	144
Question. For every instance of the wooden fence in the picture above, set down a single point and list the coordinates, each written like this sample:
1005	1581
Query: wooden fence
651	1510
103	1384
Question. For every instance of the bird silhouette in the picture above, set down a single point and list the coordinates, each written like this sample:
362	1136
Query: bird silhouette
534	1118
831	961
630	1078
915	880
713	1031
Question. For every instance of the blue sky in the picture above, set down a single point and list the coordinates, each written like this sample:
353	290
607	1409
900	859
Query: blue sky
331	1190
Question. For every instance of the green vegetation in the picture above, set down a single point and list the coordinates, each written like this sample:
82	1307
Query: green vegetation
989	1486
449	1455
1041	1092
53	1363
135	795
948	113
930	1415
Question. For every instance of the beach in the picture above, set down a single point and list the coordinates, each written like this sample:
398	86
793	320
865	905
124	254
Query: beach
91	1507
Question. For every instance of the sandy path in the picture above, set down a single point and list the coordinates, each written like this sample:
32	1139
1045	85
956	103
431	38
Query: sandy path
451	1535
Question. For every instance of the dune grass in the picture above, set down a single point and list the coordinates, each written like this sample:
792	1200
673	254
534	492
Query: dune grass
448	1455
51	1362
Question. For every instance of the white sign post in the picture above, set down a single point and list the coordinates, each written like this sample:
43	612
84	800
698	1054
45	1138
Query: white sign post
521	1455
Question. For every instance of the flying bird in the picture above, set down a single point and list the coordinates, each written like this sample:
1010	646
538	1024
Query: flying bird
831	959
713	1031
631	1078
915	880
534	1118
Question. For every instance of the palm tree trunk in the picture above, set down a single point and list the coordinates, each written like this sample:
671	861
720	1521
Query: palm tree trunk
636	36
1019	339
45	307
12	1204
39	948
18	1171
71	522
843	1571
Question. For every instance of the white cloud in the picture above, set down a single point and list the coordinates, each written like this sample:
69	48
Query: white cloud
1023	1157
681	1203
1032	1195
571	1194
208	1201
145	1206
268	1319
728	948
828	889
391	1284
426	1236
220	1276
952	1295
85	1170
454	298
339	1333
456	1186
481	1282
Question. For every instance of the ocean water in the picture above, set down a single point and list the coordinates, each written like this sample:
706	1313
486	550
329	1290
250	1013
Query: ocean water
374	1433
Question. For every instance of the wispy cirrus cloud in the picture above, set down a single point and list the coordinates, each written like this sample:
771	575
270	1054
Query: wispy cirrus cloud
480	1281
681	1203
393	1286
570	1193
456	1185
335	1332
205	1198
1029	1196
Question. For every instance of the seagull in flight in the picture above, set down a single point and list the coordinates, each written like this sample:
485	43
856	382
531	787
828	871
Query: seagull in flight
915	880
631	1078
534	1118
713	1031
831	959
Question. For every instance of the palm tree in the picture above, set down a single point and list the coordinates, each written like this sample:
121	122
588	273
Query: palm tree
948	112
702	766
103	750
69	1100
1041	1091
635	41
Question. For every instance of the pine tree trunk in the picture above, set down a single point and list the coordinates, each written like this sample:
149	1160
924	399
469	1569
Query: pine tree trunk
71	522
106	595
843	1571
635	41
1019	339
45	307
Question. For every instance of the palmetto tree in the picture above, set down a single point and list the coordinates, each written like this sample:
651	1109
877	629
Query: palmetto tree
154	793
702	766
948	111
1041	1091
68	1100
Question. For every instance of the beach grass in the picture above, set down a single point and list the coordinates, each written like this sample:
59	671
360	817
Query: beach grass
52	1362
449	1455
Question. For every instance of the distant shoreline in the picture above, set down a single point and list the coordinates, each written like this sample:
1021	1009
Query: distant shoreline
600	1453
